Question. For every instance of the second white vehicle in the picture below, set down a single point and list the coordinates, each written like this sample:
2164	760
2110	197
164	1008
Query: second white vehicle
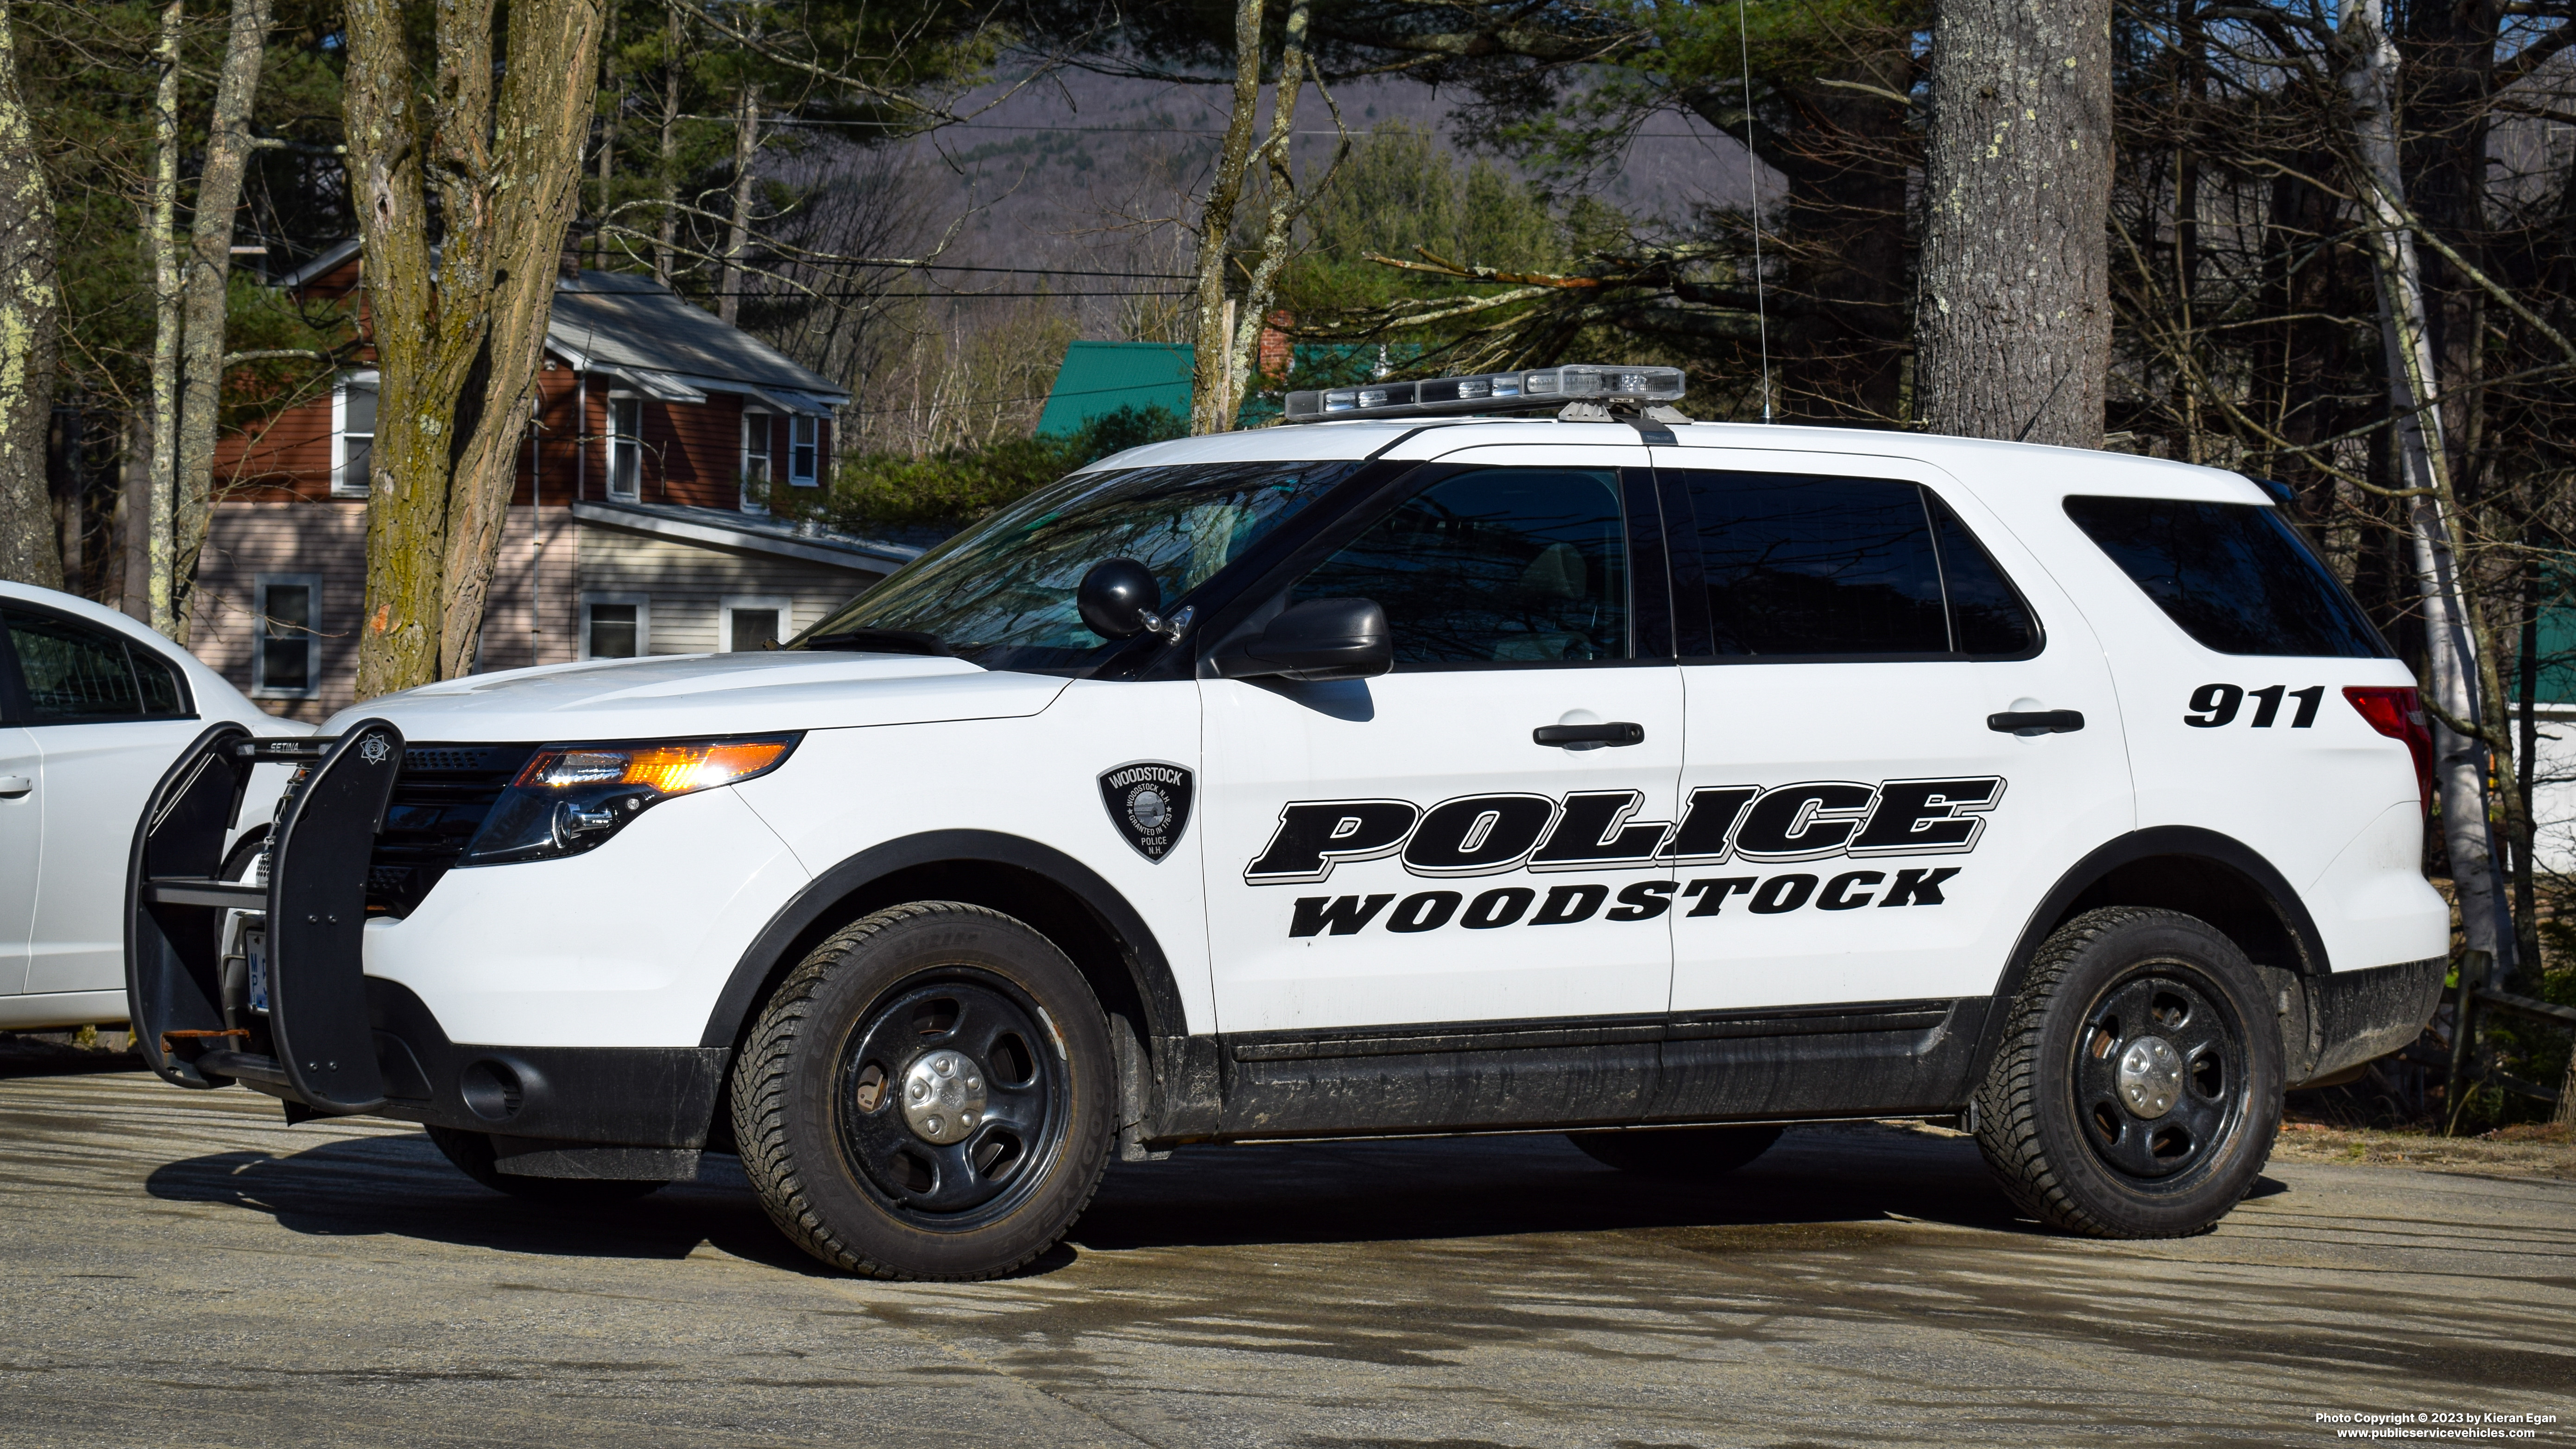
1655	782
93	708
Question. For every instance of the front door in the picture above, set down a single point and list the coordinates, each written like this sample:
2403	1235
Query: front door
22	837
109	716
1430	846
1885	768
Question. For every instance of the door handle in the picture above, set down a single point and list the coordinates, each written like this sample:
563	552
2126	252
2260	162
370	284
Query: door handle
2036	721
1615	733
13	786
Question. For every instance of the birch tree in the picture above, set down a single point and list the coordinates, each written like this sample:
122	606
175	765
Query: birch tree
2451	664
204	274
495	136
1212	383
30	313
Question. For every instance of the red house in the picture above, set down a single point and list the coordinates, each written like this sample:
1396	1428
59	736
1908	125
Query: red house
640	524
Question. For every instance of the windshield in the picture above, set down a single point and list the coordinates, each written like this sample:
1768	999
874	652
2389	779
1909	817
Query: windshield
1002	593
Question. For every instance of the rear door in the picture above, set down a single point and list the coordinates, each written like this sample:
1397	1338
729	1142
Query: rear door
1402	859
1901	734
108	715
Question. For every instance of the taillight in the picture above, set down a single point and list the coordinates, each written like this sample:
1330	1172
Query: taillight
2399	714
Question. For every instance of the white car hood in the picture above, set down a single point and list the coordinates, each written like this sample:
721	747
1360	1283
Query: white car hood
705	694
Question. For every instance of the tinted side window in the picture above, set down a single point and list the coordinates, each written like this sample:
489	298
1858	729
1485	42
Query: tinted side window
1811	567
75	672
1986	616
2235	576
1500	566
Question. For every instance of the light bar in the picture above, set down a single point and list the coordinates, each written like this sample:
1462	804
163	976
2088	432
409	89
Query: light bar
1490	392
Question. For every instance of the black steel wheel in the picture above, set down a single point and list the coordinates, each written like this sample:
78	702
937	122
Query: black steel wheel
1677	1154
2137	1089
927	1095
952	1099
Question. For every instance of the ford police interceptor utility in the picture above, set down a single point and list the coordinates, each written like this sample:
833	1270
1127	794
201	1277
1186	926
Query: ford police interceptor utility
1604	773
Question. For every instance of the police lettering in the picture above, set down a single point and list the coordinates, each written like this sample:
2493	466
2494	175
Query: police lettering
1474	835
1644	900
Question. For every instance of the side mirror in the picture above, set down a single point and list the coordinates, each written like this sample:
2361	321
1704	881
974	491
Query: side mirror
1119	599
1319	639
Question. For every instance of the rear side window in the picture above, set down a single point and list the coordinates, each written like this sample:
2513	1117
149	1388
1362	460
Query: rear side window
2235	576
1809	567
77	672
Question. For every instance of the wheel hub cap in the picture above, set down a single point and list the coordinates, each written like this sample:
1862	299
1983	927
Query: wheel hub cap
944	1097
2150	1077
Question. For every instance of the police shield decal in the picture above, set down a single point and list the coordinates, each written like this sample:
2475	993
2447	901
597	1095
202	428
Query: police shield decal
1149	802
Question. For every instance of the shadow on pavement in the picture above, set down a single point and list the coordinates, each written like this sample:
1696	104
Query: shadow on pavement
22	1056
401	1186
1351	1192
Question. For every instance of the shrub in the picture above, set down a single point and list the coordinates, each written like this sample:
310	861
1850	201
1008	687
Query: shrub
881	492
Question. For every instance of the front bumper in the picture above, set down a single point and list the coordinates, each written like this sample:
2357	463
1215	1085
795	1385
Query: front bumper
323	1036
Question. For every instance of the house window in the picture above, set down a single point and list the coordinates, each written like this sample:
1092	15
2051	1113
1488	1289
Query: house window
353	433
616	626
755	462
751	622
625	448
285	659
804	450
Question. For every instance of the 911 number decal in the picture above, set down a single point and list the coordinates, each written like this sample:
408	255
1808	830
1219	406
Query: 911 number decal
2213	705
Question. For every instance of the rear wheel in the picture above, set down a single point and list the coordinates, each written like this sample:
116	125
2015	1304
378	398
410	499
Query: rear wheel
2138	1087
1678	1154
927	1095
472	1153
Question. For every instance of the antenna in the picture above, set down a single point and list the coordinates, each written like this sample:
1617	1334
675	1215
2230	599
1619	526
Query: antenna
1753	208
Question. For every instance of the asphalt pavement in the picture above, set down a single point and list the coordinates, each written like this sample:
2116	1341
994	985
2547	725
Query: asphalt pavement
183	1268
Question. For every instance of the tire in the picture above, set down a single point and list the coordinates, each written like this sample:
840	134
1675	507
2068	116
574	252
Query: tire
1677	1154
2137	1088
473	1156
927	1096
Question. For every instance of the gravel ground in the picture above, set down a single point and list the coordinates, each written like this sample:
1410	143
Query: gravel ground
183	1268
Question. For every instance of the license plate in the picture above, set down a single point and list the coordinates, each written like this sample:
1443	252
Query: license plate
255	947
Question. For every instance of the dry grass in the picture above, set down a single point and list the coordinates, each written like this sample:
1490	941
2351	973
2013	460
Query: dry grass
2523	1151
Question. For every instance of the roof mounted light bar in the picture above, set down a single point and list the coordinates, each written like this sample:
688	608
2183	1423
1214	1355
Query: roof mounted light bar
1491	392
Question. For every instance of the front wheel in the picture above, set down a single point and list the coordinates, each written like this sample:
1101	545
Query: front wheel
927	1095
2138	1086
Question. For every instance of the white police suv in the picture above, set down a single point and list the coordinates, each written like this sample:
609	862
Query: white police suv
1423	771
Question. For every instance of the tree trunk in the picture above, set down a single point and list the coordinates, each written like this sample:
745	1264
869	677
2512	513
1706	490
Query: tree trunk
161	253
666	229
607	141
209	263
30	331
1287	203
1212	361
499	141
746	150
2013	326
2450	619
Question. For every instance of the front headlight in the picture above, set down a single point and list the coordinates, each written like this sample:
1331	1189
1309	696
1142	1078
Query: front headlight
572	798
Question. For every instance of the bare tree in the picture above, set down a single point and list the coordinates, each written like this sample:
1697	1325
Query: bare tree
1212	383
30	313
206	268
497	139
2012	332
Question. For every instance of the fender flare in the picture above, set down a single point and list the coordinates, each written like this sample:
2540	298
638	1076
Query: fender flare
2188	841
1146	963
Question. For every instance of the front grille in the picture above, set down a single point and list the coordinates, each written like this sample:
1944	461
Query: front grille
439	801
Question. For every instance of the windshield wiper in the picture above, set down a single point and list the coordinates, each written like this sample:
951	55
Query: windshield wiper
881	641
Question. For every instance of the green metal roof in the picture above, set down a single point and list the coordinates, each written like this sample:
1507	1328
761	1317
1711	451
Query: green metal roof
1101	377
